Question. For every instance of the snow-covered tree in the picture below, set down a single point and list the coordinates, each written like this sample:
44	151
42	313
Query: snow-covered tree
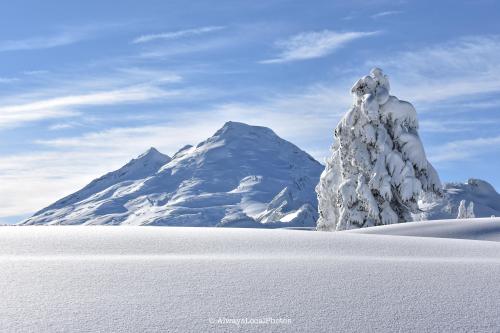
466	212
462	210
470	210
378	167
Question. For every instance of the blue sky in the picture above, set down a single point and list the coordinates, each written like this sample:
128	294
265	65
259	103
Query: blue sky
85	86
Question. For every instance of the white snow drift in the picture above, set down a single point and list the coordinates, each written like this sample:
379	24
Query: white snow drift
470	228
149	279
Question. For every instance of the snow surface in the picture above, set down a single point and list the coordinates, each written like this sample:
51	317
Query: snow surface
243	176
477	229
149	279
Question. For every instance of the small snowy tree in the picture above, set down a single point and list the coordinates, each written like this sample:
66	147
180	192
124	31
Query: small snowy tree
378	167
462	211
466	212
470	210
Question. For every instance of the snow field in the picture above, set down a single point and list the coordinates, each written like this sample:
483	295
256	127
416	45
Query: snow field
115	279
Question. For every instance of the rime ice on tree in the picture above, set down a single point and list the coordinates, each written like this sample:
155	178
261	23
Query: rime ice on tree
466	213
462	211
470	210
378	167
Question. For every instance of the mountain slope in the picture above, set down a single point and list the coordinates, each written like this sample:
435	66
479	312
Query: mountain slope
138	168
237	177
486	201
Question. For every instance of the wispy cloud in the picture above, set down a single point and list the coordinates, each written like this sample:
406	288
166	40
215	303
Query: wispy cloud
8	79
62	126
187	48
386	13
126	95
461	150
309	45
65	36
149	87
65	106
176	34
45	42
455	125
36	72
11	119
465	66
221	39
348	18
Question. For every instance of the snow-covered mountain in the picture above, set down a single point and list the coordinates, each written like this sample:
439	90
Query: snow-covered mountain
486	201
241	176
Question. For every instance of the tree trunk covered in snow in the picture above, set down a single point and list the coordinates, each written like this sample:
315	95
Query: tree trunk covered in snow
466	213
462	211
470	211
378	166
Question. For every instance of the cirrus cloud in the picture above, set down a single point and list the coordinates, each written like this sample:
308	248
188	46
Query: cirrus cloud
176	34
316	44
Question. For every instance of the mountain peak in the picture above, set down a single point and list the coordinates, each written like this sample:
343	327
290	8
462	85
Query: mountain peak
231	123
481	187
239	126
146	164
233	129
182	151
152	152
